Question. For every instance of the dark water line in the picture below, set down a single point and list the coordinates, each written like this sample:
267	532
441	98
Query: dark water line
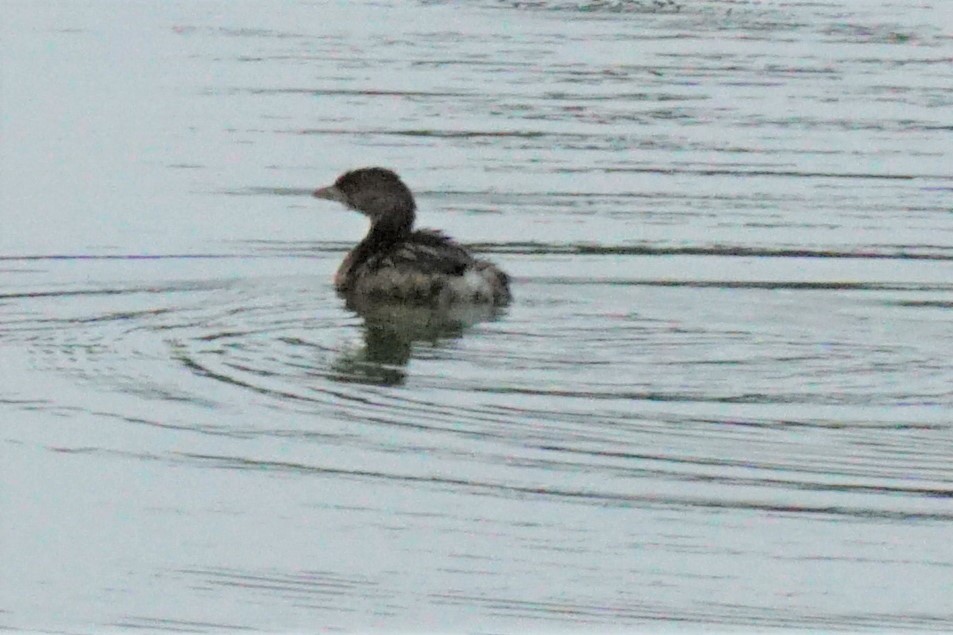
533	248
747	284
778	173
132	622
883	490
585	497
744	398
30	257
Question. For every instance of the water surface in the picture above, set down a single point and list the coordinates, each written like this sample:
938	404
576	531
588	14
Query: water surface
722	396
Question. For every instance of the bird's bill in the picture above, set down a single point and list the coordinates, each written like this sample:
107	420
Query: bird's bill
330	193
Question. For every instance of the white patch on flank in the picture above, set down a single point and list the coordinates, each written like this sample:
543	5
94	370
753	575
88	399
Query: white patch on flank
472	286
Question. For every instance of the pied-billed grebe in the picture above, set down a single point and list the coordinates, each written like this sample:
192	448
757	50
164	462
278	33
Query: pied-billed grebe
396	263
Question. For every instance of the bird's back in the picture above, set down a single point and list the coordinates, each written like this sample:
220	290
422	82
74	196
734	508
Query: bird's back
427	267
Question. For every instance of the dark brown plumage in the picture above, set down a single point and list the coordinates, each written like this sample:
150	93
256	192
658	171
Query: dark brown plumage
394	262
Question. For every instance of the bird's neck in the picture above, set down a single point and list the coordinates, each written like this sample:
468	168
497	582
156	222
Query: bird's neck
385	232
389	228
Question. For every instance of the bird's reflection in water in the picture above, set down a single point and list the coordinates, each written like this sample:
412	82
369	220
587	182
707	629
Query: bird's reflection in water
391	332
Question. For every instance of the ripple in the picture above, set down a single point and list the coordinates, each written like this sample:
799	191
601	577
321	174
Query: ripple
721	397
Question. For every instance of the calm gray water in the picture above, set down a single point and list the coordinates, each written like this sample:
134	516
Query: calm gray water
722	398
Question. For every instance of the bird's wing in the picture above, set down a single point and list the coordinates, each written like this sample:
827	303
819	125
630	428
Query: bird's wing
427	251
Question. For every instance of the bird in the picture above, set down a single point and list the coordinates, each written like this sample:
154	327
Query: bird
396	263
